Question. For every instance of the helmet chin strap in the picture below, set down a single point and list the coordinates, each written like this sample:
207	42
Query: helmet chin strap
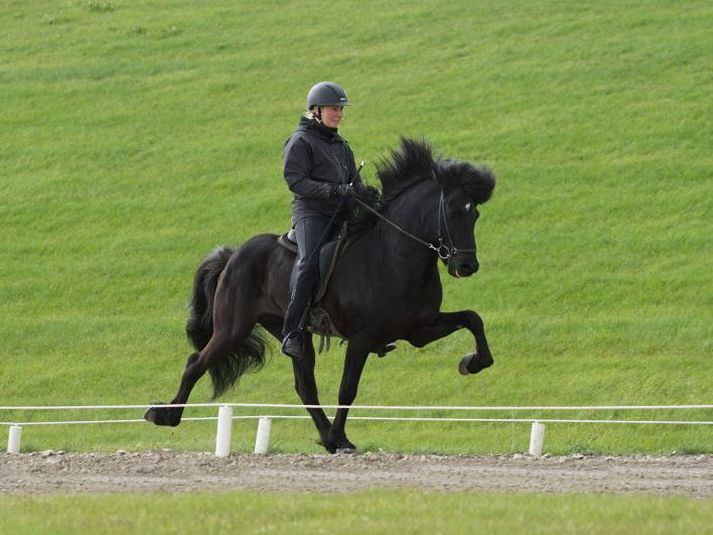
318	113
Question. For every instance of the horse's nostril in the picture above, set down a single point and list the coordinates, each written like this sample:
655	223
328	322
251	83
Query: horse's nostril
465	270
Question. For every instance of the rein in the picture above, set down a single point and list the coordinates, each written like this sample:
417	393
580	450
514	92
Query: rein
444	252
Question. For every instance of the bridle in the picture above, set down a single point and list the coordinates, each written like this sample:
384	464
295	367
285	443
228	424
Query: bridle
451	249
445	251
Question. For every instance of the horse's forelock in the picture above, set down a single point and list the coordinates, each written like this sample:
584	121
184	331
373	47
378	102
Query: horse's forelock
478	182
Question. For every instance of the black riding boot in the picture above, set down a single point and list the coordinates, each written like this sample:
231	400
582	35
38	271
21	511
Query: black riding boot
294	344
311	234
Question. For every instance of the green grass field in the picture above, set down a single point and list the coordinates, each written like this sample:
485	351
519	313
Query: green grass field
136	136
365	512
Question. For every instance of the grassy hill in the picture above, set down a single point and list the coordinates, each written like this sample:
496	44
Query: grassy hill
136	136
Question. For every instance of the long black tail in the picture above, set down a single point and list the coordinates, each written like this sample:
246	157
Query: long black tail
248	354
199	326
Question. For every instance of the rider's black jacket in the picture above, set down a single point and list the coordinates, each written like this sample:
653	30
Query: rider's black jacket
317	159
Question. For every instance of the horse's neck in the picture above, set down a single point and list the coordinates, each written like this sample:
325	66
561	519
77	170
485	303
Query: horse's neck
398	268
415	212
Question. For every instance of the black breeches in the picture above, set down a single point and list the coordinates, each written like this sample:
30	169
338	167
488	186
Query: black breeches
312	233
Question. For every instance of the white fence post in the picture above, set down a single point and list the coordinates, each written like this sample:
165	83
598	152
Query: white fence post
262	440
13	439
537	438
224	432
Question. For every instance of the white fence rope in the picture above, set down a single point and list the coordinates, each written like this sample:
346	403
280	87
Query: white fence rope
369	407
379	418
225	418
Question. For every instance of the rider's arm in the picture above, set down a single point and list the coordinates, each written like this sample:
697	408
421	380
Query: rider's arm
297	170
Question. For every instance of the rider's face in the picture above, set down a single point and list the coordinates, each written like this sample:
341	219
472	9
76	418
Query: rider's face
332	115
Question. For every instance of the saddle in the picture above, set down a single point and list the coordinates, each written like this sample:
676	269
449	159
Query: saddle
318	320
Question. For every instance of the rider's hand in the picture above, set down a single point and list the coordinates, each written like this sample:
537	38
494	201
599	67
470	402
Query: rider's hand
343	190
362	191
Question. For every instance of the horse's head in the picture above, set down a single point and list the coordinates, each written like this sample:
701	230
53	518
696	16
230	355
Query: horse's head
457	215
459	188
463	188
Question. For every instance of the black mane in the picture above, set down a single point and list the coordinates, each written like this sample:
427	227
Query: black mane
413	162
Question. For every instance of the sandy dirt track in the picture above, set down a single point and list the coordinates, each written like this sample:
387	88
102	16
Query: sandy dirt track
167	471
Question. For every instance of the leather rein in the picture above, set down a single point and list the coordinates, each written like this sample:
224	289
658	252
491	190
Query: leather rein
444	251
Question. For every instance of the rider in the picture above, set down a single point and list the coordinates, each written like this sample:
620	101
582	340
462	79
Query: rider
320	171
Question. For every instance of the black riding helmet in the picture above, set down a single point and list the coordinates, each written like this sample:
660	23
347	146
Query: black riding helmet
326	94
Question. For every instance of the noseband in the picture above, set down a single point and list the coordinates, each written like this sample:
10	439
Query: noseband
444	251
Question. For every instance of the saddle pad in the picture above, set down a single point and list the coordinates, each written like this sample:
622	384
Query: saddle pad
328	256
286	242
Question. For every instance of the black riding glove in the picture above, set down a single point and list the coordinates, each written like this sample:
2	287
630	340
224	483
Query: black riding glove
363	192
343	190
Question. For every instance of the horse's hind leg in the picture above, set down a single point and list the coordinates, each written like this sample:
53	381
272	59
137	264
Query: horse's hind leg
172	415
231	332
196	366
218	348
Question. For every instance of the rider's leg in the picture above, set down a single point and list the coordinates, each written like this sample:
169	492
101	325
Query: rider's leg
311	232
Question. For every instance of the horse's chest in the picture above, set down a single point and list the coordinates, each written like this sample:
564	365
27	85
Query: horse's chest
412	305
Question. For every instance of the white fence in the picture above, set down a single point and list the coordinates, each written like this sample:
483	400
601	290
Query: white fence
226	416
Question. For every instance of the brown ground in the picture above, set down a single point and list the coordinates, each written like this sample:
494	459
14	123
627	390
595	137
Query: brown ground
167	471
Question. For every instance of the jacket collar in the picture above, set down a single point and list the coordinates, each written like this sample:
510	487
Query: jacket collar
315	127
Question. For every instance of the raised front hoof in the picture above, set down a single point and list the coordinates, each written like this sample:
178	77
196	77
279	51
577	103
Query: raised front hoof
473	363
161	416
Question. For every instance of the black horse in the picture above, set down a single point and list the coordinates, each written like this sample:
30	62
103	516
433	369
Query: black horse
385	286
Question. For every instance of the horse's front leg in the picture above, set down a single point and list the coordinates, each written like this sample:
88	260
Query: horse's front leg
353	367
306	388
305	383
445	323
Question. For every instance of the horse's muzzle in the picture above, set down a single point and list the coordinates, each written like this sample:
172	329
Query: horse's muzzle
463	269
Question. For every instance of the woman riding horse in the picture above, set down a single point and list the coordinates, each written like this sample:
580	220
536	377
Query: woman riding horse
320	171
386	286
